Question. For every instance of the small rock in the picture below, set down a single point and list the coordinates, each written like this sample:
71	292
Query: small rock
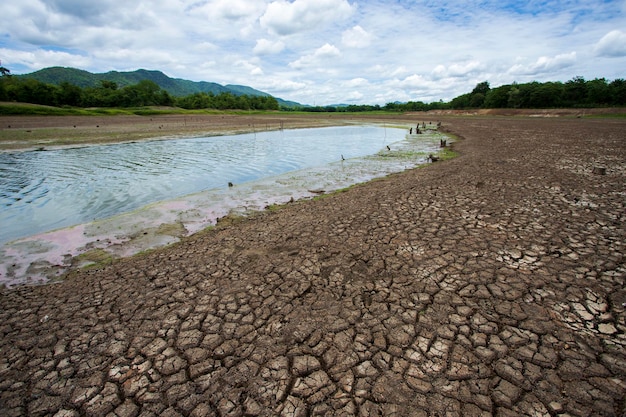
555	407
606	328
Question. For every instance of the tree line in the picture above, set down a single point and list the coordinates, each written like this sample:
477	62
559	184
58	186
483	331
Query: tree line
575	93
109	94
224	101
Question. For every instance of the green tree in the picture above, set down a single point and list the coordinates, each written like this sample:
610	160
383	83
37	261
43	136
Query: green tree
575	92
165	99
462	101
481	88
144	93
392	107
514	100
242	103
148	92
108	85
195	101
477	100
224	101
617	90
545	95
598	92
69	95
525	93
104	95
497	98
271	103
479	93
4	72
5	77
30	90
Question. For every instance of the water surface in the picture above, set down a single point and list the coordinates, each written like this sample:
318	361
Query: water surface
46	190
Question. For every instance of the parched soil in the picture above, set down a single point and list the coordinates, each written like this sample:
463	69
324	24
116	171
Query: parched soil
490	284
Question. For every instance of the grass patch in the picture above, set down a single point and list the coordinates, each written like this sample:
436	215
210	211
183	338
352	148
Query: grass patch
8	109
229	220
344	189
27	109
394	126
400	154
606	116
447	153
24	109
93	258
274	207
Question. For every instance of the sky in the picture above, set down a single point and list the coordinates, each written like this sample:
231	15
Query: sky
323	52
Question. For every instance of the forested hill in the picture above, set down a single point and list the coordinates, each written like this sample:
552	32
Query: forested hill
177	87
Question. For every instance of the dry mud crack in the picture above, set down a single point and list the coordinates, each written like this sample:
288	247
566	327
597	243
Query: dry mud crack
491	284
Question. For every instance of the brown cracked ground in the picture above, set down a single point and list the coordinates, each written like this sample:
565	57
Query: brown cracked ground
490	284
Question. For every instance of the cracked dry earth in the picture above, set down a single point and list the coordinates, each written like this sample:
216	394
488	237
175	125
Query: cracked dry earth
491	284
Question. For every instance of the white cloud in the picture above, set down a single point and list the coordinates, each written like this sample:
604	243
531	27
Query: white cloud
230	10
281	85
247	65
321	55
286	18
267	47
373	51
414	81
401	70
353	96
456	69
327	51
236	9
388	71
545	64
356	37
613	44
37	59
355	82
218	19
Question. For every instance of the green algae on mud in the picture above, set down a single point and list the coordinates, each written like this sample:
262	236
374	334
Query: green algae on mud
447	153
92	258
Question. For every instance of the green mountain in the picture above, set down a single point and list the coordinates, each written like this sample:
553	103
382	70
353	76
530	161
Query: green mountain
244	90
249	91
175	86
